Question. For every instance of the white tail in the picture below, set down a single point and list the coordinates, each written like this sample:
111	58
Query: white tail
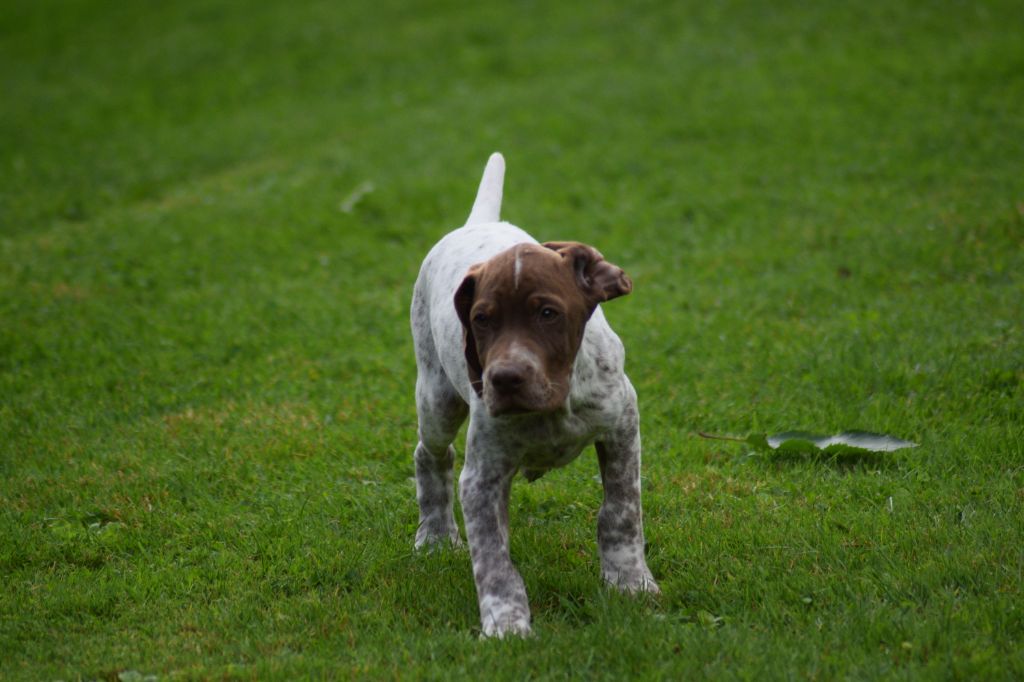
487	207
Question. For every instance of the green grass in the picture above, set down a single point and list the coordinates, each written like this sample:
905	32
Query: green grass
206	415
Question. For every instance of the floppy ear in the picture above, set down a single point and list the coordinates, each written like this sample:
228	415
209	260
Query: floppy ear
464	297
598	279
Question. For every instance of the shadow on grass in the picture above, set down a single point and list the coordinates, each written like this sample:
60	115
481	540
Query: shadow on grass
848	461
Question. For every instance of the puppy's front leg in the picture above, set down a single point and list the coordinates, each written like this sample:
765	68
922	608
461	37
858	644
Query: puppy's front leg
484	489
620	529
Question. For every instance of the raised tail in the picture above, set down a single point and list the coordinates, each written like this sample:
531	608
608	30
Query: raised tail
487	207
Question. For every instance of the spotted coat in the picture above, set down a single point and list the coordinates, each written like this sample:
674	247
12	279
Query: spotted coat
600	408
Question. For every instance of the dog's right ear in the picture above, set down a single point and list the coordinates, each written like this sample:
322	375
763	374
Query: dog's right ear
464	297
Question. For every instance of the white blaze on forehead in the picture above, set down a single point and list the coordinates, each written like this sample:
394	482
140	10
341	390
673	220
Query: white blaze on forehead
517	268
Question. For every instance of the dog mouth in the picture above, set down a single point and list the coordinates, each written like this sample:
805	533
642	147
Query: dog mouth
510	411
540	400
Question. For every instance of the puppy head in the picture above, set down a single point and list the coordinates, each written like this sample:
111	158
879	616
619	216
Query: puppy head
523	314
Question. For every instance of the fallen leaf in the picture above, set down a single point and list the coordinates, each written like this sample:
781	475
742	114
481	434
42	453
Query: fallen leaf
845	443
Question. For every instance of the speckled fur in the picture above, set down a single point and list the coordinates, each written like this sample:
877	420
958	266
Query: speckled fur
601	408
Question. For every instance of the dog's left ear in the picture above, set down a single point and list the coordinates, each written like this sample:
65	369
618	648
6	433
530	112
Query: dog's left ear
464	297
598	279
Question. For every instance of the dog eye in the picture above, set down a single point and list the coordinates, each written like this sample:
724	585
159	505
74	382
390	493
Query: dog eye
548	313
481	318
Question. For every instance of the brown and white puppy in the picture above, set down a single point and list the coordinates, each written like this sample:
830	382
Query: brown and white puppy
510	332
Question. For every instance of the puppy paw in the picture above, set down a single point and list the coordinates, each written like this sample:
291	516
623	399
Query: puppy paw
500	618
515	627
631	582
428	538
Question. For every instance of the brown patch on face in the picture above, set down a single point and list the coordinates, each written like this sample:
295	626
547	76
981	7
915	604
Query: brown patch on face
523	313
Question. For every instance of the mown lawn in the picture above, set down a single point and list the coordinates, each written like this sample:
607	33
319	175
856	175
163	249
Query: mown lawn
211	217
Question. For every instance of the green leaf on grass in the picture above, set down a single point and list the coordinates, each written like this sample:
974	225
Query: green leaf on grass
758	440
97	519
135	676
845	443
709	620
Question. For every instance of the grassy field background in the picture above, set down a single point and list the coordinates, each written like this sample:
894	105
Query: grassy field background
211	217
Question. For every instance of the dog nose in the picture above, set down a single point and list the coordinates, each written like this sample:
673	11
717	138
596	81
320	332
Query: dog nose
507	378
